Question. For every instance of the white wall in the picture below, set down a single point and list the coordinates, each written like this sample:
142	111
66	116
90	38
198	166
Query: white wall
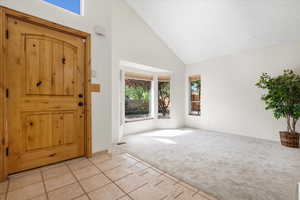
230	101
97	12
134	41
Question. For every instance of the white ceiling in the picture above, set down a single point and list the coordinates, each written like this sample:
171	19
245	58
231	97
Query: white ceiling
198	30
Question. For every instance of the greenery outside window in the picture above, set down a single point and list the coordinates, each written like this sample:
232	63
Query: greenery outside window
195	95
137	97
164	100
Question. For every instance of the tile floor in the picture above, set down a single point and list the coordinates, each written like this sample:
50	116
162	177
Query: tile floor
116	176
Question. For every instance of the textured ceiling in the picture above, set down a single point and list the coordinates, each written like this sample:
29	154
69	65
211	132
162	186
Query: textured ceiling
198	30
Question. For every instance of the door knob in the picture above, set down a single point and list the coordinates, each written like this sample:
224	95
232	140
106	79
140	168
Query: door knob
80	104
80	95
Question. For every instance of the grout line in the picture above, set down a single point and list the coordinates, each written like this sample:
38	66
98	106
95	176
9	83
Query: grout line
113	182
80	196
77	180
138	188
99	188
7	189
180	195
44	183
142	171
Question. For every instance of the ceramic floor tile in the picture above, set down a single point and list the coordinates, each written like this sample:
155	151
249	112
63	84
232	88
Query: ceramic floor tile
80	164
55	172
190	197
98	158
52	166
131	182
188	186
136	180
3	187
86	172
114	162
108	165
141	180
19	182
148	174
25	173
119	157
138	167
66	193
149	192
118	173
109	192
206	196
42	197
60	181
171	177
26	193
158	188
117	151
180	192
125	198
94	182
128	162
84	197
76	160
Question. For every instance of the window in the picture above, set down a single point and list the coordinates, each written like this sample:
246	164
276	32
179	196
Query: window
164	100
195	95
138	89
70	5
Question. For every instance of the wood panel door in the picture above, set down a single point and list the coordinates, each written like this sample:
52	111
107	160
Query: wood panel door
45	96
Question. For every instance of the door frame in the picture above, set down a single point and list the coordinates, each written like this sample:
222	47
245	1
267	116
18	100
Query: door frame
7	12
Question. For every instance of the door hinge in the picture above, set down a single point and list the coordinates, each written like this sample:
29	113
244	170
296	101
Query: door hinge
7	151
7	34
7	93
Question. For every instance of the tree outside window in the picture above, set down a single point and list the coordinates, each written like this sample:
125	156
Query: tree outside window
164	100
195	98
137	99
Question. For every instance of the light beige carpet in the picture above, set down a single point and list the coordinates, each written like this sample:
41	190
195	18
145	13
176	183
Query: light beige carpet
228	166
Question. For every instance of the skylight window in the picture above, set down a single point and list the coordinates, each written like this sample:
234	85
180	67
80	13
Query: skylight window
74	6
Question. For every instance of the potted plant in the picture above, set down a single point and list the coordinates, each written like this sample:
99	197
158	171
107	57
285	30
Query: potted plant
283	98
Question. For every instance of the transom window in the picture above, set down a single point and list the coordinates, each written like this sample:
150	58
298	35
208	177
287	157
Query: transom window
74	6
195	95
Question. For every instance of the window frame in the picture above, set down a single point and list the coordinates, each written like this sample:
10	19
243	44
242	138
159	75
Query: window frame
158	81
150	115
82	3
192	79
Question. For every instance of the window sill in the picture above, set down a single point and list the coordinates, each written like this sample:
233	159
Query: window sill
139	120
195	115
162	118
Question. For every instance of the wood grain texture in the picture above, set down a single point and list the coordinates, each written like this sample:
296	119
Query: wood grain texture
30	125
88	98
95	88
45	81
2	94
45	23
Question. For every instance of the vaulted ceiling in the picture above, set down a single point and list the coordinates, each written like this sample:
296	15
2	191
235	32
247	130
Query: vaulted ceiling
198	30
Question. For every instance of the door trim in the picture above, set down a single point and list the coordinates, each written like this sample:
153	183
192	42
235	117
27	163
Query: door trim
4	13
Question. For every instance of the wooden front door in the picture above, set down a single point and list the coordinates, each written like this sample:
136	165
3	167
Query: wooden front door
45	96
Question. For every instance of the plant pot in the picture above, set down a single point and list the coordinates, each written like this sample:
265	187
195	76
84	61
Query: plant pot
289	140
